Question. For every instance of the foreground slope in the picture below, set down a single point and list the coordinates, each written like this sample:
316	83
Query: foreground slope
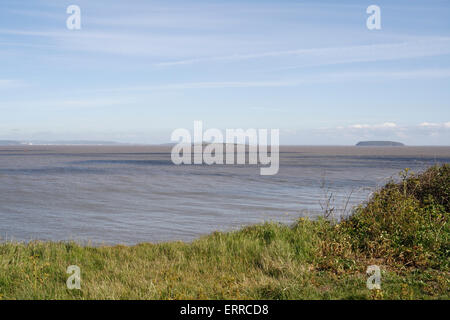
403	229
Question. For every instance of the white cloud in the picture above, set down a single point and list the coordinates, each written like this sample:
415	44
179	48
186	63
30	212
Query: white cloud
411	134
429	124
385	125
393	125
434	125
388	125
360	126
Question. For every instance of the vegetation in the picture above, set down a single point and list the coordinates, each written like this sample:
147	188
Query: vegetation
403	229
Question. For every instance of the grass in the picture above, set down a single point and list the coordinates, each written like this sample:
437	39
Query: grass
403	229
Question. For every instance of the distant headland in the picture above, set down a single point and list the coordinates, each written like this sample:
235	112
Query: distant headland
379	144
62	142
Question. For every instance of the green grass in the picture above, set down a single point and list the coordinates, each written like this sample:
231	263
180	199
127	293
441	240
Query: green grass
403	229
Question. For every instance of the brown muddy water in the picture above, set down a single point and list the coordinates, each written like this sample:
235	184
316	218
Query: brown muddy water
132	194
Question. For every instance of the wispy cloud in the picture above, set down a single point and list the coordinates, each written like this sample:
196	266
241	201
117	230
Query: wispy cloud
420	47
206	46
100	97
412	134
328	77
434	125
395	126
280	64
136	44
87	102
8	83
393	129
385	125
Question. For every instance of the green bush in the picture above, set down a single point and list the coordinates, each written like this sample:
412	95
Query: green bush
431	186
406	222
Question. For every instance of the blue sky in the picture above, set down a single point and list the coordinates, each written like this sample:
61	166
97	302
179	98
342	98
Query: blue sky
137	70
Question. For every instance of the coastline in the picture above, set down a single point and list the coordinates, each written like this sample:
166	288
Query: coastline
317	259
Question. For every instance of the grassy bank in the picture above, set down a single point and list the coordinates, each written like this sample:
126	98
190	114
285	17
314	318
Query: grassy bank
403	229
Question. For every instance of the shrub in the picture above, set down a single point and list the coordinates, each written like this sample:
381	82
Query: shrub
406	222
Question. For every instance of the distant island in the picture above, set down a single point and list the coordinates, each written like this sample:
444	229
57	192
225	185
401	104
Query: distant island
379	144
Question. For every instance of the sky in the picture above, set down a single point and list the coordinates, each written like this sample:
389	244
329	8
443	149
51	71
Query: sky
137	70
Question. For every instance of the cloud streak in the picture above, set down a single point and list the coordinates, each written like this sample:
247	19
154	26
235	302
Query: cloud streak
435	125
8	84
329	77
421	47
157	45
100	97
385	125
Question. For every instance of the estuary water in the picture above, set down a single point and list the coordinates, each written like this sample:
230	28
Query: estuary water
132	194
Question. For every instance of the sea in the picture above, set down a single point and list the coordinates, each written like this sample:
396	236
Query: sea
107	195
